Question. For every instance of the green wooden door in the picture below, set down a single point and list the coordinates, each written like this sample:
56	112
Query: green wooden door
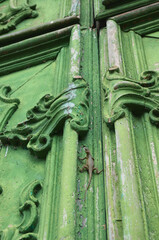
50	108
77	78
129	73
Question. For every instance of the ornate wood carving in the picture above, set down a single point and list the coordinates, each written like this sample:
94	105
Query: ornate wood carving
7	105
48	117
28	205
16	14
125	92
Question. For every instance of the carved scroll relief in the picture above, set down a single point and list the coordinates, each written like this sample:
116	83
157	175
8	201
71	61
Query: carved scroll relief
141	95
48	117
7	105
29	210
43	121
15	14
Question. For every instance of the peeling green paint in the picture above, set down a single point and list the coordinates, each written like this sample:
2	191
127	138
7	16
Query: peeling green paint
88	80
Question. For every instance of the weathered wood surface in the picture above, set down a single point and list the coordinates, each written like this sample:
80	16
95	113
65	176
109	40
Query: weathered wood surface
71	77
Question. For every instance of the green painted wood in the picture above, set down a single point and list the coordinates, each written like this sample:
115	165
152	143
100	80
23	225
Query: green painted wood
22	15
73	67
133	224
113	7
151	47
33	51
124	56
89	227
38	30
154	34
112	190
101	87
51	197
86	13
67	214
142	20
24	169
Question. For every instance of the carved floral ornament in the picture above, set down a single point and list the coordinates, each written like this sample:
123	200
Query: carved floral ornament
43	120
15	13
48	118
141	95
28	203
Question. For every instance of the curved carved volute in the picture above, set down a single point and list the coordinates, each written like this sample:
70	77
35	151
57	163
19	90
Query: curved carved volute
15	14
28	207
139	94
48	117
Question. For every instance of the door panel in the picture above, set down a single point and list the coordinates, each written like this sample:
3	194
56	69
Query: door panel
55	196
22	177
75	84
130	132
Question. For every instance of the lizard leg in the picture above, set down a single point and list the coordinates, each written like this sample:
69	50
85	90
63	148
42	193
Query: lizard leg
83	168
97	171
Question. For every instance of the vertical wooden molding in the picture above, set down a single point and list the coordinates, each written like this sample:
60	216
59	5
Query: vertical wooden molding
150	224
75	8
67	214
130	198
133	225
47	204
67	217
74	53
112	201
114	47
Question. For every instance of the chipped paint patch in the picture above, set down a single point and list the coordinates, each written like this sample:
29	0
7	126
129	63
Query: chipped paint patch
74	61
130	198
71	86
84	223
74	7
79	204
76	35
64	218
111	230
153	153
68	107
155	164
72	95
91	189
6	152
75	52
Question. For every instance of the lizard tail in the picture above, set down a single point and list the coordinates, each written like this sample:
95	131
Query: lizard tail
90	177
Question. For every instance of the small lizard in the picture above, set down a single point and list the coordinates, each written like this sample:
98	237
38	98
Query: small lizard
89	166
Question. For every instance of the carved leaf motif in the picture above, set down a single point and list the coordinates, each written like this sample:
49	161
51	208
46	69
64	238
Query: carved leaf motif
10	233
48	117
16	14
28	208
125	92
7	105
29	202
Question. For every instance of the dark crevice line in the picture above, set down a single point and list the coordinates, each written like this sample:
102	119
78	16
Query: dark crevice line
151	37
31	78
94	22
101	113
